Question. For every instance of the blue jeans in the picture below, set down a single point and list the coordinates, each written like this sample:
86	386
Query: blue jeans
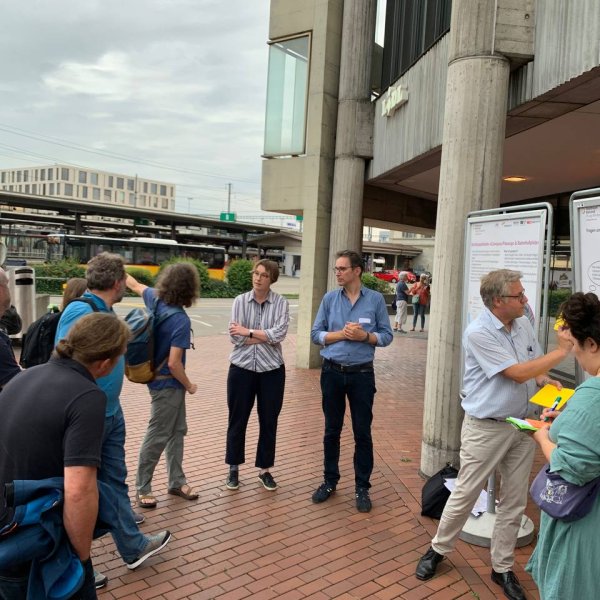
360	390
419	309
129	540
15	587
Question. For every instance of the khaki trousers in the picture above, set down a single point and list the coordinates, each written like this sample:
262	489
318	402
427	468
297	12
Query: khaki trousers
487	445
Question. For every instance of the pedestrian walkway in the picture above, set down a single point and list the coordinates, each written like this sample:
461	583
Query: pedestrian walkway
252	543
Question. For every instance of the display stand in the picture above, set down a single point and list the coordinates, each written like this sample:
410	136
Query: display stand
478	530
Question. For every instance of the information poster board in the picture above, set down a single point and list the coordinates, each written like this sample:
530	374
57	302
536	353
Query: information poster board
505	241
585	245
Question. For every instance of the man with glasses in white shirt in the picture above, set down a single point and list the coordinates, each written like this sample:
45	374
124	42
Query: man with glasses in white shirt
503	364
350	323
259	323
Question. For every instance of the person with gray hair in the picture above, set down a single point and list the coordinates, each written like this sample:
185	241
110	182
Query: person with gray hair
8	363
401	303
503	365
106	278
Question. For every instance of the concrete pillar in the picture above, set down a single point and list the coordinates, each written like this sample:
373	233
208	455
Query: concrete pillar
354	135
470	179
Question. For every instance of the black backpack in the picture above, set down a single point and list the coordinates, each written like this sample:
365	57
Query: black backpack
435	494
38	341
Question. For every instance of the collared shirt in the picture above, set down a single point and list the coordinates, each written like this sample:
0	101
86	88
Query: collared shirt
336	310
272	317
490	349
112	383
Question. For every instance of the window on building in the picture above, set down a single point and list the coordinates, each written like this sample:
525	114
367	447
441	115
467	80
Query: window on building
163	190
64	174
82	177
165	203
132	199
94	178
172	192
131	185
36	175
68	189
34	188
411	28
58	189
107	196
51	189
155	202
18	176
3	177
120	183
145	187
50	174
95	193
84	191
153	188
121	197
43	174
287	87
142	200
110	181
25	175
27	188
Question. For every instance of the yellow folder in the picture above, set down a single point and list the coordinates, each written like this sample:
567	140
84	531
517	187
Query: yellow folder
548	394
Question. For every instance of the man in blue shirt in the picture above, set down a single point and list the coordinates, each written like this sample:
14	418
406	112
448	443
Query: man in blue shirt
106	286
350	322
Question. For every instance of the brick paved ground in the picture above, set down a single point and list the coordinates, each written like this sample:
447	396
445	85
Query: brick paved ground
252	543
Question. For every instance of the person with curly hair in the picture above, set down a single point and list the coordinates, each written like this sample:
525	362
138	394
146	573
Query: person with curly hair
178	285
560	563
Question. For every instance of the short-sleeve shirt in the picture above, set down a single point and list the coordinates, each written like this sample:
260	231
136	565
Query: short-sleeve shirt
490	349
112	384
173	332
52	418
402	291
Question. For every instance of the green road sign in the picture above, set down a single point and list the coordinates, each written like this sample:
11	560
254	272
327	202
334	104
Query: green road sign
299	218
226	216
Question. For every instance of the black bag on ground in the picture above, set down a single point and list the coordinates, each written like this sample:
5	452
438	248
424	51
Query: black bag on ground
38	341
435	494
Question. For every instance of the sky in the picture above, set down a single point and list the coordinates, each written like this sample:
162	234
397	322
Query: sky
172	90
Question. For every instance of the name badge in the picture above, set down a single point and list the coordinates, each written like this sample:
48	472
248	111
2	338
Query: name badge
364	320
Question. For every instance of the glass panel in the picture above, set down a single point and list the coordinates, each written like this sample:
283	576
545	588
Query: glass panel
120	183
64	174
125	251
82	177
285	121
68	189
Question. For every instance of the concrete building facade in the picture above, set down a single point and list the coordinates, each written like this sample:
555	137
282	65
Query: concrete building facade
477	104
77	183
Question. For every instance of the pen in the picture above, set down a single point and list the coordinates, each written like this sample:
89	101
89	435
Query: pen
554	405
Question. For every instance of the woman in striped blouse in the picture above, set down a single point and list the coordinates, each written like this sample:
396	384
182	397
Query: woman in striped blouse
259	323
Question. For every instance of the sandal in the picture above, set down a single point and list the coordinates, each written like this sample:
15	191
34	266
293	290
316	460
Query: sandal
146	501
185	491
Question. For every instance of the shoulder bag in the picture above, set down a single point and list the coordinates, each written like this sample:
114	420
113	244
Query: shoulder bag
561	499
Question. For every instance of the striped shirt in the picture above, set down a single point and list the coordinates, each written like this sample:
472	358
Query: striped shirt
490	349
272	317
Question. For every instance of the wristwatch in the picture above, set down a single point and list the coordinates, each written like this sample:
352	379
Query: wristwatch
250	333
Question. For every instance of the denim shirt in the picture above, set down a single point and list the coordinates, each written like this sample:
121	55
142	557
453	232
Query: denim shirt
336	310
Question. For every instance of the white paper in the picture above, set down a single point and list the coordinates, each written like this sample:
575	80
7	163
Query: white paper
481	503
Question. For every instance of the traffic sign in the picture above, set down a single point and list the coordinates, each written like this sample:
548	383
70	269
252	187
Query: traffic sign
227	216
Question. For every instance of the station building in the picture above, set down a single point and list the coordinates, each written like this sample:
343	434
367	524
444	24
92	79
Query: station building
469	105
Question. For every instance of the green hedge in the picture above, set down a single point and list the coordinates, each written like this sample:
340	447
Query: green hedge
239	276
49	278
555	299
374	283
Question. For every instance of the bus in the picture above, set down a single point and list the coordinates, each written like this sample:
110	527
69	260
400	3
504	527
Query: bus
143	253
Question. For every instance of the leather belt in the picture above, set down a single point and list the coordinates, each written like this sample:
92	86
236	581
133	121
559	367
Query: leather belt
361	368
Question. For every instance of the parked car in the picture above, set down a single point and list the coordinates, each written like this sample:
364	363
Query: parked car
393	276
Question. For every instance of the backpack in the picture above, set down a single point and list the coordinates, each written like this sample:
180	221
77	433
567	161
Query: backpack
38	341
139	356
435	494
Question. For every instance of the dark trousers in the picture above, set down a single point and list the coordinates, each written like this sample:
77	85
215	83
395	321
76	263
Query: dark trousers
243	386
360	390
13	585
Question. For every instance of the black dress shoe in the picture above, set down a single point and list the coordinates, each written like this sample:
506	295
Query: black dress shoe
428	564
510	585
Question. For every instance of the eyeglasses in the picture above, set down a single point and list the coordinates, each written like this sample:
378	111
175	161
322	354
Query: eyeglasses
261	275
520	296
340	269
